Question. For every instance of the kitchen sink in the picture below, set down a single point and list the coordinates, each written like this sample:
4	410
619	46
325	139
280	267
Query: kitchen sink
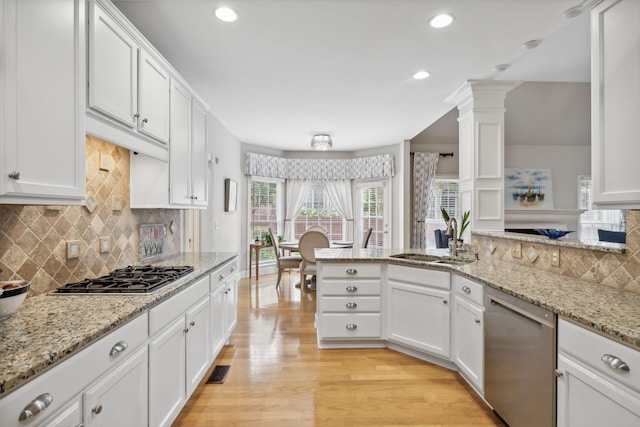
451	261
433	259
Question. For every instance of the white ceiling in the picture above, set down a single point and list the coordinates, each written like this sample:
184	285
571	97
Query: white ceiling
288	69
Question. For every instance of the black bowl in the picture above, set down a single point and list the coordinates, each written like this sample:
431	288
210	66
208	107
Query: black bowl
24	287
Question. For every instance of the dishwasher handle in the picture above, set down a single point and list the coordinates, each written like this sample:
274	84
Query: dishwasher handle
520	311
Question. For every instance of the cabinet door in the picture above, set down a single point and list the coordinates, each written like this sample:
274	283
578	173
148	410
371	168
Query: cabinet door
419	317
120	398
167	374
113	68
468	341
179	157
230	305
153	98
586	399
197	344
218	330
42	101
615	104
199	154
69	416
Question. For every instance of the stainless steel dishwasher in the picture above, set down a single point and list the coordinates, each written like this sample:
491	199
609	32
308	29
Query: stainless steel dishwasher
520	360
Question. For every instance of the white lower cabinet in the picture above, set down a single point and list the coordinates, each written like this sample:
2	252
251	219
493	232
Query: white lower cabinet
598	380
69	416
418	308
197	344
223	298
120	398
467	333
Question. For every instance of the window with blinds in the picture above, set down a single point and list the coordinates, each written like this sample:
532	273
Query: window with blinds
372	215
317	209
445	193
264	211
592	220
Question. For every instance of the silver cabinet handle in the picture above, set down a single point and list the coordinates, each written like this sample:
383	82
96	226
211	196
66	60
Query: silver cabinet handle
557	373
466	289
477	321
221	277
185	330
97	409
193	323
14	175
118	348
352	288
352	305
614	362
36	406
232	269
145	120
136	115
351	326
444	301
352	271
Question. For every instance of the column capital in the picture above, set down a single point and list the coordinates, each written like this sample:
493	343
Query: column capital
482	94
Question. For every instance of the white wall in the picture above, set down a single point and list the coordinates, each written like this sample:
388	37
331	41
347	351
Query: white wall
220	231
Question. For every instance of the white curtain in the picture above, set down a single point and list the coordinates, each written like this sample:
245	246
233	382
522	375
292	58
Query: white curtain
296	192
340	194
424	170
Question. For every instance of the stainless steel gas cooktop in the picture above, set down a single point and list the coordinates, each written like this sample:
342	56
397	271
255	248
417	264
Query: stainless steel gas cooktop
128	280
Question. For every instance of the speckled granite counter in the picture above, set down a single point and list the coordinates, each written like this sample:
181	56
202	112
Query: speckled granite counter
610	311
46	329
616	248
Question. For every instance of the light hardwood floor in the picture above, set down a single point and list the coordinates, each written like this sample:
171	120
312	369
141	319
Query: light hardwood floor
279	377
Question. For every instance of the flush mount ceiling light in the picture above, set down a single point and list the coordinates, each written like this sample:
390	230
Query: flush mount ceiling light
442	20
500	68
531	44
226	14
420	75
572	12
321	142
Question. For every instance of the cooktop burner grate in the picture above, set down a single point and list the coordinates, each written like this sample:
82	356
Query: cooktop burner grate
132	279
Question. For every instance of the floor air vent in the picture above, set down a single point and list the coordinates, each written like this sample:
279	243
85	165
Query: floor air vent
219	374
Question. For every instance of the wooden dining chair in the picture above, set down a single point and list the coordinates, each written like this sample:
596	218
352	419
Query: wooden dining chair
283	262
316	228
367	236
308	242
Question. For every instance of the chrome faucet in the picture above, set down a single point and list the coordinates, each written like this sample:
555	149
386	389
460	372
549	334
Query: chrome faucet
452	230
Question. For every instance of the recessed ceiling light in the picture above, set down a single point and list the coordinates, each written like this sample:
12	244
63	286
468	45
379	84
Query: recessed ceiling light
442	20
572	12
421	75
500	68
226	14
531	44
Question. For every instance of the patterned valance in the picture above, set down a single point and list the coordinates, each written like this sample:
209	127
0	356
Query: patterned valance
319	169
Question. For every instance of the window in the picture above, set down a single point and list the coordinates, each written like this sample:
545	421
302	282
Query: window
317	209
371	197
592	220
265	209
445	193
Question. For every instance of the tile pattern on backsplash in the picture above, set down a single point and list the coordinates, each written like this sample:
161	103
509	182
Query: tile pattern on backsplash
620	271
33	238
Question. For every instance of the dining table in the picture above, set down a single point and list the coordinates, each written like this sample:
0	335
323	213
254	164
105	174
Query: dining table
292	246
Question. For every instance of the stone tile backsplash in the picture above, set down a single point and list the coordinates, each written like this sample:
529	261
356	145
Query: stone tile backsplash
620	271
33	238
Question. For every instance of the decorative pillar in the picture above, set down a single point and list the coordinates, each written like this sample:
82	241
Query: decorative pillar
481	157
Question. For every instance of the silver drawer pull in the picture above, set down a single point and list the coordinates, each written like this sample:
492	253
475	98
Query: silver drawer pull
466	289
352	288
14	175
477	321
36	406
352	271
352	305
221	277
351	326
614	362
232	269
118	348
192	323
97	409
444	301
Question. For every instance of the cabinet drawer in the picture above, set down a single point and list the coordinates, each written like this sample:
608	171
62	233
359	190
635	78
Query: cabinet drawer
351	304
175	306
351	287
223	273
68	378
365	325
419	276
351	271
469	289
590	347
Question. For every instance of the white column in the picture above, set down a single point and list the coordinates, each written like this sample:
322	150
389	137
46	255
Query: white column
481	157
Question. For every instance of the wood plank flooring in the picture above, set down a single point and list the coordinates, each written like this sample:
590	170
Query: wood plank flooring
279	377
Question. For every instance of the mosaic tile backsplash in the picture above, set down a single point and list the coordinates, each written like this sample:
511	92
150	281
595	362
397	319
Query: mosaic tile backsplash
33	238
620	271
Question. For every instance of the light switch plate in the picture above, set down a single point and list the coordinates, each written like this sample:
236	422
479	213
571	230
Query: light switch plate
555	257
105	244
105	162
117	204
73	249
516	250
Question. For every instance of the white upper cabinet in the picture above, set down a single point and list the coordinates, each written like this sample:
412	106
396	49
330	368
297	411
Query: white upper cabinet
199	153
179	157
42	101
153	98
615	104
113	68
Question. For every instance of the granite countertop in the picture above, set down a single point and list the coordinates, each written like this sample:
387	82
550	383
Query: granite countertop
609	311
615	248
46	329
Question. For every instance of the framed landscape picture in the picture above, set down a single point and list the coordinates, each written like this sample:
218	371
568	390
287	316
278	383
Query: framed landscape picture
528	189
230	195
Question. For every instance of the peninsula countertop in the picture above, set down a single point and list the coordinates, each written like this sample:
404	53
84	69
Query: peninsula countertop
612	312
47	329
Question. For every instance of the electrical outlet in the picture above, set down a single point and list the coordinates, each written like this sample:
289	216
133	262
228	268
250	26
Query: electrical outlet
555	257
516	250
